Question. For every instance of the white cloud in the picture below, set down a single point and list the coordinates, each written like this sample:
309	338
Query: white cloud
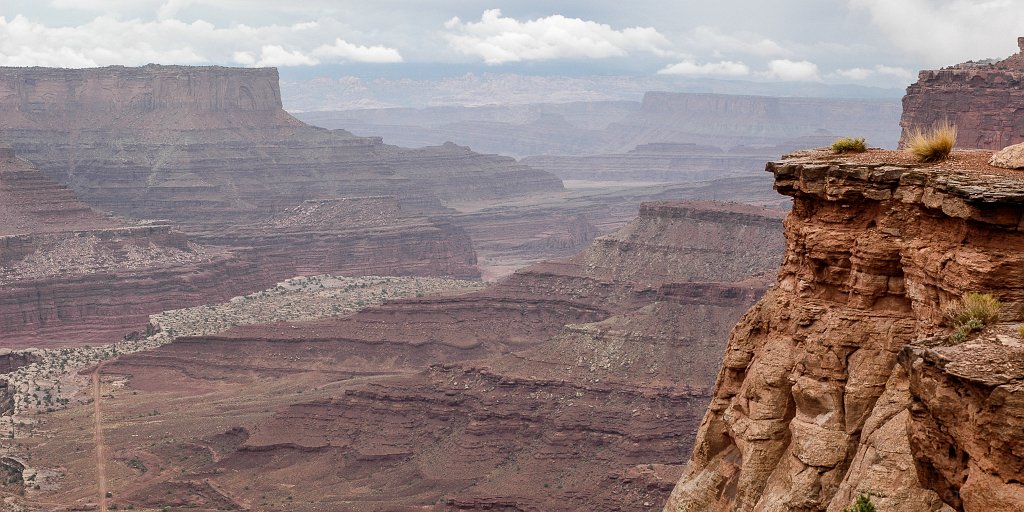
343	50
723	68
498	39
792	71
274	55
107	40
944	32
710	39
856	73
878	71
169	8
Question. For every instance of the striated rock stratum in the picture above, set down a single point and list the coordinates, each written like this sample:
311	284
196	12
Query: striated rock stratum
842	380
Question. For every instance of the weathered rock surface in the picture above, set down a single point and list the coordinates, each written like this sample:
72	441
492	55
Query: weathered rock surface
983	100
576	383
966	418
1010	157
811	408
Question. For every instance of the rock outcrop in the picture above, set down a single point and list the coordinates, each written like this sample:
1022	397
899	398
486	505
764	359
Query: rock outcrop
983	99
826	391
966	418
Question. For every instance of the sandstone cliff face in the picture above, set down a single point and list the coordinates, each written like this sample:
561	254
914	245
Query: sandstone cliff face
811	408
983	100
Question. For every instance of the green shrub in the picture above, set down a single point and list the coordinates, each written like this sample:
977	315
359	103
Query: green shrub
863	504
1020	331
933	145
849	145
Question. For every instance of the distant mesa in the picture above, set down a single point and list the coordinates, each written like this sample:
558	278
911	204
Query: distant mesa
983	99
210	144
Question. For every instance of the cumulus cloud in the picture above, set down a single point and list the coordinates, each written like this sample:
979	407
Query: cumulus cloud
792	71
877	71
943	32
722	68
343	50
711	39
274	55
107	40
497	39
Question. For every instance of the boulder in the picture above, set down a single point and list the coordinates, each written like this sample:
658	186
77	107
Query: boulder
1010	157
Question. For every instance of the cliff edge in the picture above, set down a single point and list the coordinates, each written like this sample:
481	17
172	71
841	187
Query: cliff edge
843	380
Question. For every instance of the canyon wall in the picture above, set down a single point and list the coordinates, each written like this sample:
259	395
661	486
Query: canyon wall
830	387
983	99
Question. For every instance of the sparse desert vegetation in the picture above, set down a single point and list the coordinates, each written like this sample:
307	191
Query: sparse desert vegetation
972	313
863	504
849	145
933	145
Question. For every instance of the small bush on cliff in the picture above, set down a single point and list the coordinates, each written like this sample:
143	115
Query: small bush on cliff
863	504
974	308
972	313
849	145
933	145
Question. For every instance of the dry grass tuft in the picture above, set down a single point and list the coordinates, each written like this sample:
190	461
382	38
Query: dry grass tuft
972	313
933	145
849	145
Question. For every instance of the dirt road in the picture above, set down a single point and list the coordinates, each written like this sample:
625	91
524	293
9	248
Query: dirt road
101	464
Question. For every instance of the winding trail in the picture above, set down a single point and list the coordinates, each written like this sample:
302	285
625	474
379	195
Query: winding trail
101	464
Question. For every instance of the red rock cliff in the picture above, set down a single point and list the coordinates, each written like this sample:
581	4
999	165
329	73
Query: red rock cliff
811	407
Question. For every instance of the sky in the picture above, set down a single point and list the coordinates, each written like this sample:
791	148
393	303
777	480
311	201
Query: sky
869	42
